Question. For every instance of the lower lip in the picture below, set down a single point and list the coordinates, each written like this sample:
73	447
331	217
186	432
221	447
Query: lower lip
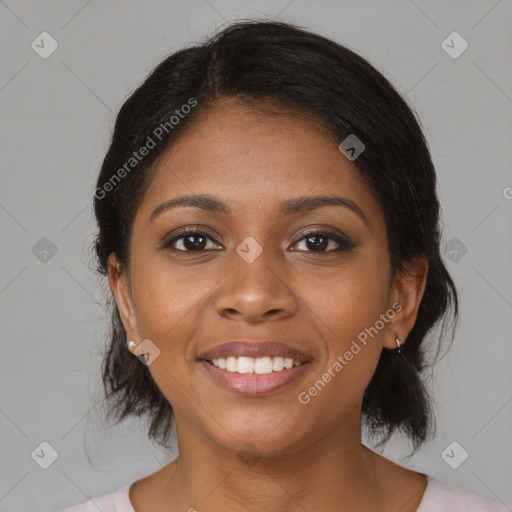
254	384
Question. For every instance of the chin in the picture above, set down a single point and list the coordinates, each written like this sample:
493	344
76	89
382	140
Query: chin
259	434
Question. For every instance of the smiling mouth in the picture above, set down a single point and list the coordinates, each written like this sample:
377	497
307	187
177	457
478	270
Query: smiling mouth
254	365
253	376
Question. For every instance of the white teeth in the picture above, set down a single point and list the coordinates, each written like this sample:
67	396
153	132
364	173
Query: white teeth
258	365
231	364
277	364
245	365
263	365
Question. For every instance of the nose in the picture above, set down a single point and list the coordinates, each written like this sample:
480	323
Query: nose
257	291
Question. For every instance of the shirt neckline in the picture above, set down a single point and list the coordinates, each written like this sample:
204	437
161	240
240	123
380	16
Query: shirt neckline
122	501
426	493
123	504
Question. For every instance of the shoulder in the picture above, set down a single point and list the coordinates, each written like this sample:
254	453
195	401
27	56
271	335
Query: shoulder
117	501
441	497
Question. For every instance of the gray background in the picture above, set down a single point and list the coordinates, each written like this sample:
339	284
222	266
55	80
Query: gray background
56	117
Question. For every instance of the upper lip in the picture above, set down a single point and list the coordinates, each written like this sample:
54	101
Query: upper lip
253	348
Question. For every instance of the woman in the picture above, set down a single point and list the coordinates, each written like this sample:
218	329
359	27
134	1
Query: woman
269	224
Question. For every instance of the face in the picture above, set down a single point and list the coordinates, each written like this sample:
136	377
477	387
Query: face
311	276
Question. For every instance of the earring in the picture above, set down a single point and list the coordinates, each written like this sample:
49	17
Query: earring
130	345
398	344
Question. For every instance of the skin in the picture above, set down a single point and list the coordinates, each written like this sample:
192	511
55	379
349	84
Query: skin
306	457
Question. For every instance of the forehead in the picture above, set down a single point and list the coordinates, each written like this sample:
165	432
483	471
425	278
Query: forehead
254	159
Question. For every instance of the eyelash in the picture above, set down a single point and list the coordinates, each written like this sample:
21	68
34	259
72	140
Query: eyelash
344	244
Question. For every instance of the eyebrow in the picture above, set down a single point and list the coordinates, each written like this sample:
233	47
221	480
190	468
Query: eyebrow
287	207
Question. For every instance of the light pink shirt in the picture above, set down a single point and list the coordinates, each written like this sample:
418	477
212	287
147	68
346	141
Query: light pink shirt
438	497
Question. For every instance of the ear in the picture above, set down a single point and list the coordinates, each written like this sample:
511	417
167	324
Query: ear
406	292
120	285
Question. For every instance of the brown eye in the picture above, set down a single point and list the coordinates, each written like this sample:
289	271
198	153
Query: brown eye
191	240
319	241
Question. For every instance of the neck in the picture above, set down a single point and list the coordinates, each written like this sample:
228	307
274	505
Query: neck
336	472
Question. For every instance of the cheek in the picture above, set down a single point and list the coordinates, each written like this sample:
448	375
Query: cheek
168	305
349	308
163	297
351	298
